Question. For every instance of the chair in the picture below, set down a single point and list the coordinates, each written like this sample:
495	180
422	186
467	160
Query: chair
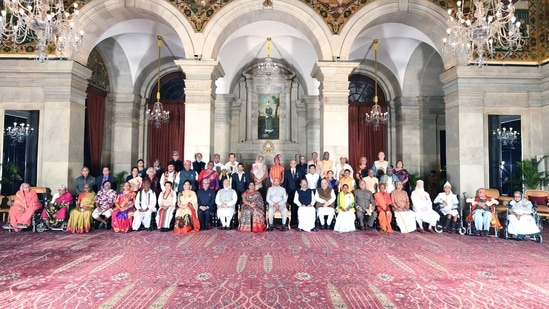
4	209
278	215
541	198
501	208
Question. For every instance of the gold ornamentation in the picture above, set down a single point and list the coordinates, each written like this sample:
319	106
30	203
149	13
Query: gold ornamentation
268	147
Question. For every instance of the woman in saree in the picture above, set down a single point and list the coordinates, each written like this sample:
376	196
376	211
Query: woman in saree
25	204
55	213
122	216
135	180
186	218
80	219
210	174
403	176
166	206
252	217
345	221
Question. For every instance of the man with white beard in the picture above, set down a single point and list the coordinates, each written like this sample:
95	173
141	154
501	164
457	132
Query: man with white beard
423	207
226	200
325	198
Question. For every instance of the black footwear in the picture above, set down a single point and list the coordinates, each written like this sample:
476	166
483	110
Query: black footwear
326	227
321	227
283	229
270	229
315	229
149	229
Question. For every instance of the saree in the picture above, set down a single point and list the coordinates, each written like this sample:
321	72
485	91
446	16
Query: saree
55	214
122	217
186	219
80	219
252	219
345	221
24	206
212	176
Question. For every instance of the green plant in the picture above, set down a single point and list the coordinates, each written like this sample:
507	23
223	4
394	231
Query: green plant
413	178
11	171
120	179
530	176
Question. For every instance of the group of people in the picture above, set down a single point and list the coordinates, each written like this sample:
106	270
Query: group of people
187	194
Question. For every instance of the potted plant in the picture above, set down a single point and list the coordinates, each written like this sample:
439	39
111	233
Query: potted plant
530	175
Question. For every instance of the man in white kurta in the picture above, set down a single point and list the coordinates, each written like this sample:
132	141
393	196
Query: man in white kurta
145	205
325	198
306	213
521	221
225	200
423	207
448	204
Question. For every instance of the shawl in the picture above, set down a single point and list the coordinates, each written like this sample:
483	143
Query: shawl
495	220
86	199
26	200
400	200
382	200
345	202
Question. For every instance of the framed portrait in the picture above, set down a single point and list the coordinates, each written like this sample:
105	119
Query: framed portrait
268	118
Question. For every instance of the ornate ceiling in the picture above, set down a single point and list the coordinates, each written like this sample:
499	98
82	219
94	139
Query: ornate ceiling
337	12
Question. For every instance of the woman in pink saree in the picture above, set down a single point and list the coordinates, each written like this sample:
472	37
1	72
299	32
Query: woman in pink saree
25	204
56	212
122	216
210	174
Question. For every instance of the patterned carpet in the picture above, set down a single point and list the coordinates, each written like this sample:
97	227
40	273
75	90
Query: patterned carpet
229	269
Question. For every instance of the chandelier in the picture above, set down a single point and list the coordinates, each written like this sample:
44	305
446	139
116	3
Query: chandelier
375	117
44	21
18	133
507	137
268	67
158	115
478	28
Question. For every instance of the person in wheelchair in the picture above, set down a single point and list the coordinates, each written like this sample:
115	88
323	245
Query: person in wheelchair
519	217
56	212
448	206
25	204
481	212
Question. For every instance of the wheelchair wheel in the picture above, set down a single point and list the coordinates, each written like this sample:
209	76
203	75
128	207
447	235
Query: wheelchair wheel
41	227
539	239
462	230
64	226
438	228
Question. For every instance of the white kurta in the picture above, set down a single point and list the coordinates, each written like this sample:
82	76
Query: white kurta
423	207
345	222
406	221
451	203
526	225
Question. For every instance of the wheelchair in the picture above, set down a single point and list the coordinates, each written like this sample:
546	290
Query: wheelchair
44	196
41	226
439	227
470	228
535	236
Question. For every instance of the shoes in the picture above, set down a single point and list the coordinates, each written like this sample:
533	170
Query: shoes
163	229
315	229
149	229
482	234
321	227
283	229
326	227
421	230
270	229
102	226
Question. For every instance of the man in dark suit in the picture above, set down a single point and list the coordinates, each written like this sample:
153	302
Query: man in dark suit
302	168
106	175
240	181
292	177
177	163
198	164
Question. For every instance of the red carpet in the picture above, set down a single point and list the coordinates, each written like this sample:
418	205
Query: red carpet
228	269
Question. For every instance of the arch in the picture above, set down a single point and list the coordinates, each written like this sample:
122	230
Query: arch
99	16
117	64
239	13
429	18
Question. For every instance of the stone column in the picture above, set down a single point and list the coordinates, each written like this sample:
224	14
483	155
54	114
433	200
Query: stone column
125	131
224	122
408	133
334	106
311	136
465	142
58	90
199	98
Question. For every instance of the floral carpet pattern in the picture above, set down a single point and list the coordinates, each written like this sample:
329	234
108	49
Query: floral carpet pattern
230	269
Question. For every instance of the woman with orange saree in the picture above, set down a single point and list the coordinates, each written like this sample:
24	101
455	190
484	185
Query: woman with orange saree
25	204
122	216
186	219
383	202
